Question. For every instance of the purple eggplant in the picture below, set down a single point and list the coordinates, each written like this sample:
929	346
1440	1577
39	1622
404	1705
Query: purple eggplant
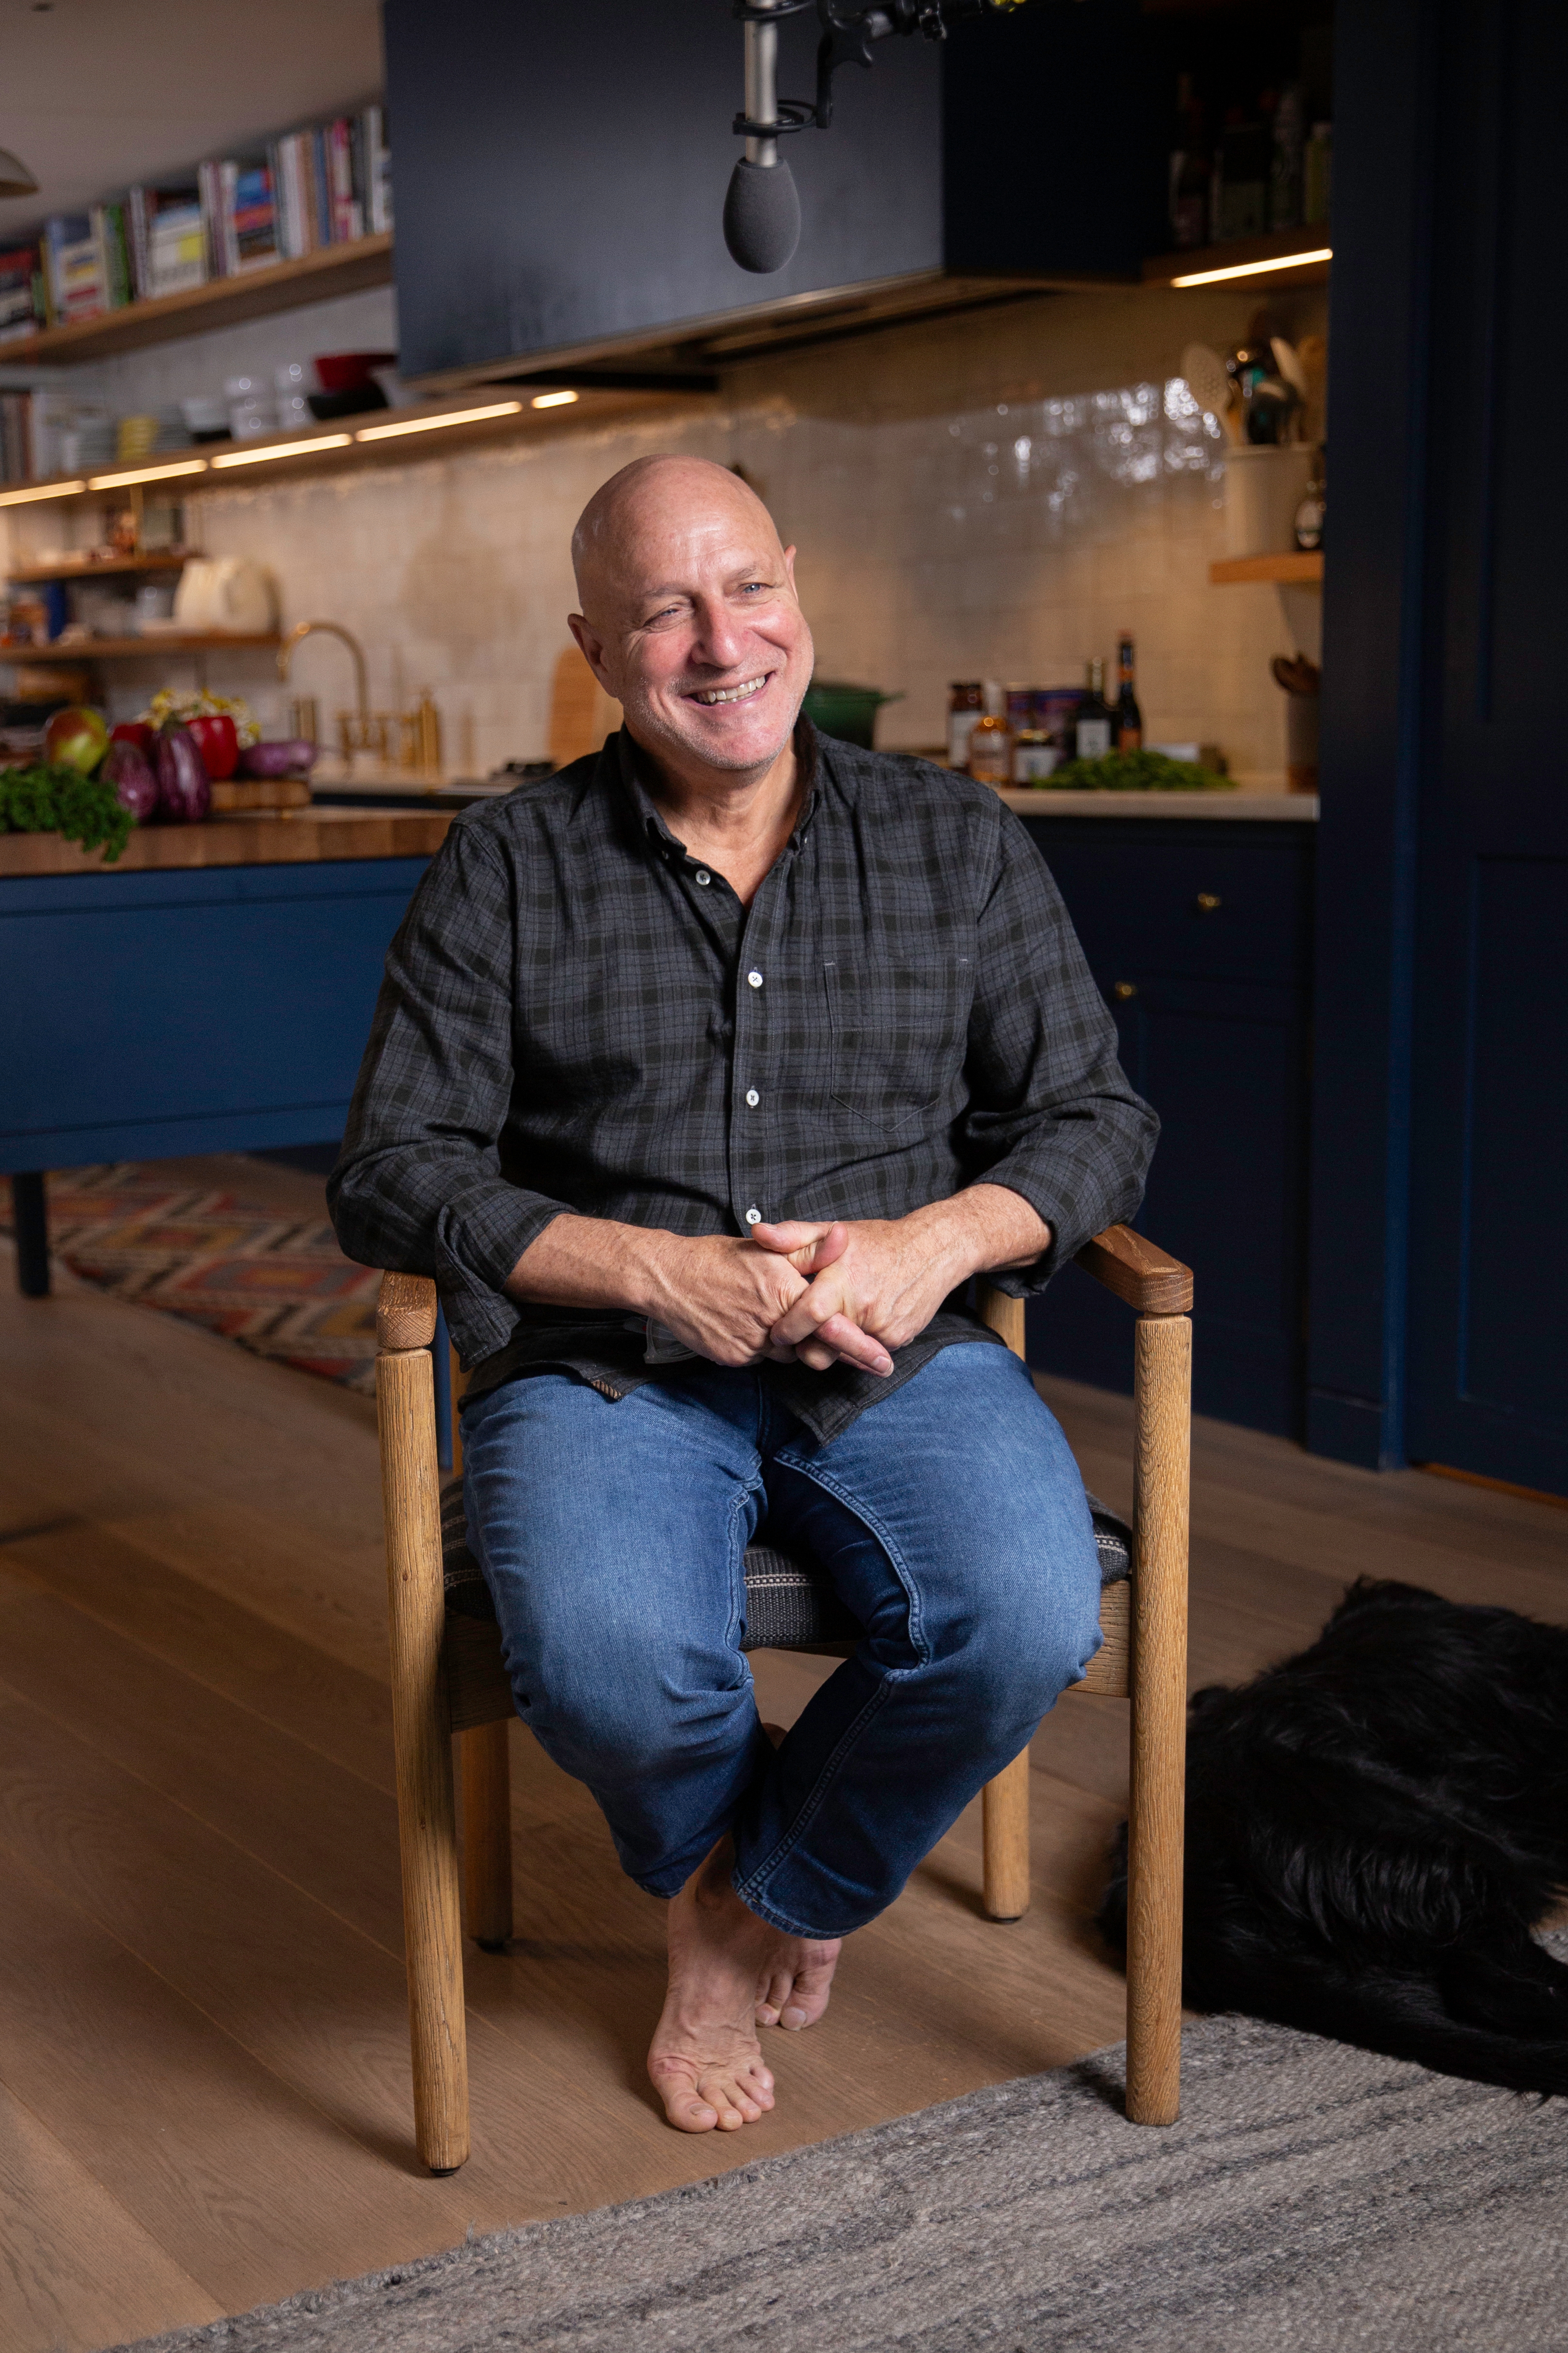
289	759
136	786
185	795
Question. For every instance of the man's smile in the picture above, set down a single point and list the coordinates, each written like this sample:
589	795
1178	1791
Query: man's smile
710	695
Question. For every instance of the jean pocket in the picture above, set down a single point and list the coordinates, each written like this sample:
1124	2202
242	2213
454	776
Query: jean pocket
898	1034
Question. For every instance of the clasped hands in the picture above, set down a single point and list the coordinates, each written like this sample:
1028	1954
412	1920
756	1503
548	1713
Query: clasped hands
836	1293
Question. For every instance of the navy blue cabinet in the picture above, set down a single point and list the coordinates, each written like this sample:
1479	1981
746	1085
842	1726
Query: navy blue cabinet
1199	933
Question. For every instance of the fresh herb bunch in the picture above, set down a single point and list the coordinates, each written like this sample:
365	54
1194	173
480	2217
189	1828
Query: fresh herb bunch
49	798
1136	771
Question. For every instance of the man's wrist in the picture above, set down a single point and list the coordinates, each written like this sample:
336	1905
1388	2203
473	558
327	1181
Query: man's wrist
981	1229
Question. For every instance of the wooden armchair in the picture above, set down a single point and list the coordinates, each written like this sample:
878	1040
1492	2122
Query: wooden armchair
447	1678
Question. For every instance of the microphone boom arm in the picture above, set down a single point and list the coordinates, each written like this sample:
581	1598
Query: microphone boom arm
846	36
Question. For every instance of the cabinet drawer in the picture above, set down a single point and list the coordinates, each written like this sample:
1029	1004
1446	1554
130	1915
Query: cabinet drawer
1207	908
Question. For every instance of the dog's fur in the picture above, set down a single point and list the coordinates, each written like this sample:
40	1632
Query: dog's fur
1374	1828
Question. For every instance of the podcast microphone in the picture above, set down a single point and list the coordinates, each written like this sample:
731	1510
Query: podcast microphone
761	208
762	215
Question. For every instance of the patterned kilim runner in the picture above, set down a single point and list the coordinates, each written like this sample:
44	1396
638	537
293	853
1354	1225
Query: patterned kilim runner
277	1285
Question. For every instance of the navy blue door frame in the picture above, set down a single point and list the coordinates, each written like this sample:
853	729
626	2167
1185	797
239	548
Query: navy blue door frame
1374	640
1437	1295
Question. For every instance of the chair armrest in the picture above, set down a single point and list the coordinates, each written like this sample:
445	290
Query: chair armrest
404	1313
1147	1278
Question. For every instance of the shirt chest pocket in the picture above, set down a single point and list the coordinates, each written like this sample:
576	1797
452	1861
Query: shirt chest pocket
897	1033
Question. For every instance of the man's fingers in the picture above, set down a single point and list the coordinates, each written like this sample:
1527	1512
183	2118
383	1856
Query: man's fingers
849	1344
808	1247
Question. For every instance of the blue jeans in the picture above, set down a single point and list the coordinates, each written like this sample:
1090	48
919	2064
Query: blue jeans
951	1517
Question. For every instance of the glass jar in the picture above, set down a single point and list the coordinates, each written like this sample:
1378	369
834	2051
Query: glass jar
1034	756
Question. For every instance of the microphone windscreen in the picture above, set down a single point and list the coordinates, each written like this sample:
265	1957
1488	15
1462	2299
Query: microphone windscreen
762	216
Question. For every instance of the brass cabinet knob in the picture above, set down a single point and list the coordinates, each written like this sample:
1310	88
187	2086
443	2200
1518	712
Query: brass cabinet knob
1207	902
1124	990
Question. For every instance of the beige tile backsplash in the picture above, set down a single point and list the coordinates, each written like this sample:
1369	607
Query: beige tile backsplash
994	495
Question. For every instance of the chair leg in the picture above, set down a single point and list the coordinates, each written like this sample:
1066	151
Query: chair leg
427	1820
487	1834
1005	1815
1163	1443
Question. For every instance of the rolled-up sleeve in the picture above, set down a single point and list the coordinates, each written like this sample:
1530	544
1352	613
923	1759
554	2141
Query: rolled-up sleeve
418	1186
1051	1114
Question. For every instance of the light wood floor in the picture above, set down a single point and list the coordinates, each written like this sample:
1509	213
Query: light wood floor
204	2072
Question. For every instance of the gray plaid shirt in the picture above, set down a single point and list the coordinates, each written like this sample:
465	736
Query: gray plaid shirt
576	1015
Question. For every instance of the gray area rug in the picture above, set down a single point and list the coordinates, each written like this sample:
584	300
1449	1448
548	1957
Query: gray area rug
1311	2196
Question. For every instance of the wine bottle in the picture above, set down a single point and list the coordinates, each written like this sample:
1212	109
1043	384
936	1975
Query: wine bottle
1092	740
1129	718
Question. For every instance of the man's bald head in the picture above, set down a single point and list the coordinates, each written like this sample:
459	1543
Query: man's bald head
643	501
690	616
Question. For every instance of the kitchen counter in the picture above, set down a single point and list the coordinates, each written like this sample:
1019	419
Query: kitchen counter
289	838
1289	809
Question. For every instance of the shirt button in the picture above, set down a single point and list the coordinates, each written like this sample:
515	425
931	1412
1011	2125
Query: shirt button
753	1097
703	876
754	980
753	1217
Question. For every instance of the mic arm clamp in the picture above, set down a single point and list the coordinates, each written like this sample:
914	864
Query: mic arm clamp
846	36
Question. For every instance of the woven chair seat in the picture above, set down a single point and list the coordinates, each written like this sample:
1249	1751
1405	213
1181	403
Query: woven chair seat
790	1604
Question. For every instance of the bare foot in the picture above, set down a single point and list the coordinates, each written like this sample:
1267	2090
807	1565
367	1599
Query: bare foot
705	2061
793	1991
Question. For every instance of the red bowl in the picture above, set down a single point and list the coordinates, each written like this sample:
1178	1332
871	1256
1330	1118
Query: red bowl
346	371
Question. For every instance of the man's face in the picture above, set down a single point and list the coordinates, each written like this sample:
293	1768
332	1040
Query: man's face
690	621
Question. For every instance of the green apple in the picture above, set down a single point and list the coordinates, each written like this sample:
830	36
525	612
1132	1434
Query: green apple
76	738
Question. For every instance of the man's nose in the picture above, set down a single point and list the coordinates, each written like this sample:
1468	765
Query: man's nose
720	636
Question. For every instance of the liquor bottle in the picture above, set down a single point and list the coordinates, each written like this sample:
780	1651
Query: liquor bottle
966	700
991	742
1190	171
1129	718
1285	161
1094	718
1317	175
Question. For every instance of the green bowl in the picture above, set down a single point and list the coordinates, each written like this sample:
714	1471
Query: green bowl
847	711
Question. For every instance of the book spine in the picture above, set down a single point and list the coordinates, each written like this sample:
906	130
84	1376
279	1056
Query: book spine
282	228
53	311
379	215
321	187
228	184
141	259
346	221
209	190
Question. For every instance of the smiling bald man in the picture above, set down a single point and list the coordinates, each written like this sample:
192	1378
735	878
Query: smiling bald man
705	1076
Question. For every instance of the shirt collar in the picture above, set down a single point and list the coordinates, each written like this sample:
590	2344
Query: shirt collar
636	773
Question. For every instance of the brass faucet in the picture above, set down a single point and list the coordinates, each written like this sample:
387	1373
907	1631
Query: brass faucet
360	730
303	629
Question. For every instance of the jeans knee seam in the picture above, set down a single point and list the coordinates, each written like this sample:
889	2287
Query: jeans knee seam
885	1538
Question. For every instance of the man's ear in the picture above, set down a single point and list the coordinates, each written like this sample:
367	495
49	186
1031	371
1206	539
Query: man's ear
592	647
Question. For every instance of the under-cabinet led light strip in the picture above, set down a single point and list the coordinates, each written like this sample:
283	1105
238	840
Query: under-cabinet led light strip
146	474
44	491
433	423
1255	269
281	449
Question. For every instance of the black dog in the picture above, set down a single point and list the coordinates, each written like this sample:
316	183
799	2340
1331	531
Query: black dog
1374	1828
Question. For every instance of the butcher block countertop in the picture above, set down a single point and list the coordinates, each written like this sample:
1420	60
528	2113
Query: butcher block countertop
292	838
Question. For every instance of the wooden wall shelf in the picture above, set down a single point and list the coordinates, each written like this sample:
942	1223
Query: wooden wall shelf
332	448
151	648
90	567
314	278
1292	570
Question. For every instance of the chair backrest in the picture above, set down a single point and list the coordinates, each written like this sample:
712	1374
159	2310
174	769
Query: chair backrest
581	713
